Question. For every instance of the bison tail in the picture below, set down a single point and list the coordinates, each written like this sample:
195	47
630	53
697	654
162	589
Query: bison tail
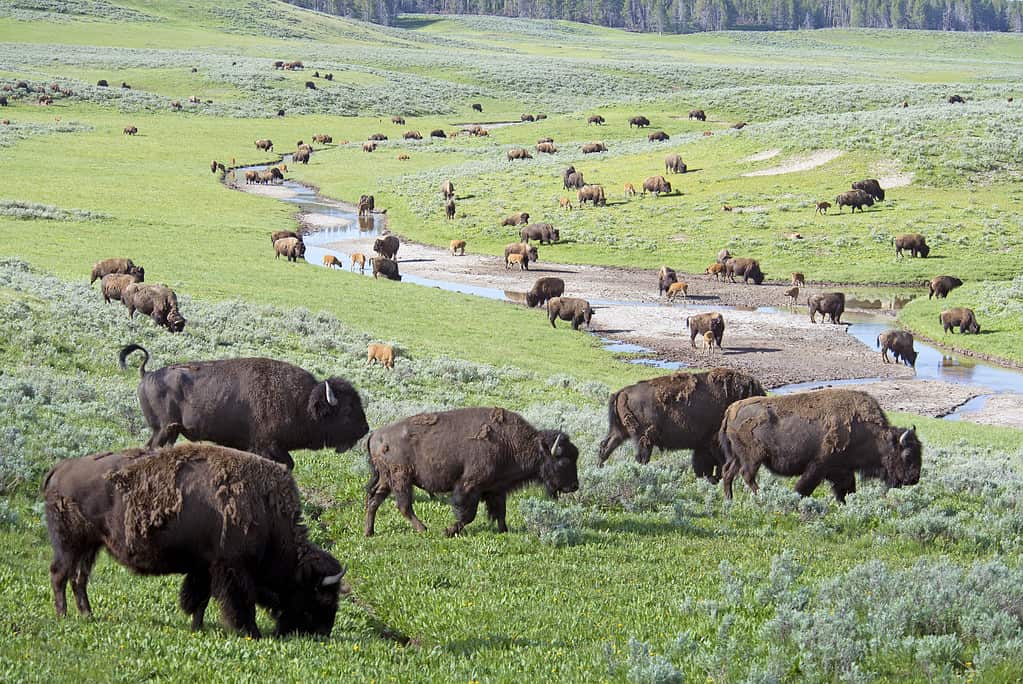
724	443
128	350
374	472
613	419
878	341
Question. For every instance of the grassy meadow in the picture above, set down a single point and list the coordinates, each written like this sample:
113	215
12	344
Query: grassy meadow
645	574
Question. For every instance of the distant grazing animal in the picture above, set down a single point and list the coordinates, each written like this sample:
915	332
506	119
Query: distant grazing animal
519	153
158	302
828	305
541	232
701	323
678	411
175	105
656	185
125	86
449	209
900	344
516	259
279	64
369	147
578	311
528	252
116	265
382	353
658	136
301	156
477	107
213	166
639	122
940	286
413	135
822	207
541	117
593	194
294	66
870	186
438	133
457	246
112	284
323	139
3	101
739	126
677	288
1009	99
723	256
279	234
630	190
727	207
229	520
388	268
792	292
697	114
914	243
378	137
956	99
310	85
516	219
749	269
856	199
960	317
265	145
447	189
131	130
544	139
708	340
797	278
590	148
673	164
477	454
595	119
564	203
194	99
665	277
386	246
544	289
360	259
403	157
707	134
828	434
291	248
102	83
905	104
716	270
574	180
280	112
527	117
331	261
546	148
398	120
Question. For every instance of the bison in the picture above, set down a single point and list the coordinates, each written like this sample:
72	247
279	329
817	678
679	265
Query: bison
578	311
438	133
900	343
156	301
382	353
386	246
116	265
291	248
544	289
398	120
828	305
656	185
665	277
388	268
940	286
593	194
956	99
516	219
797	278
476	454
828	434
749	269
595	119
657	136
527	117
546	148
265	145
378	137
449	209
301	156
697	114
639	122
113	284
706	322
574	180
677	411
541	232
229	520
716	270
871	187
366	205
677	288
519	153
914	243
855	199
528	252
131	130
281	234
793	293
457	246
516	259
447	189
413	135
360	259
477	107
331	261
960	317
822	207
673	164
590	148
369	147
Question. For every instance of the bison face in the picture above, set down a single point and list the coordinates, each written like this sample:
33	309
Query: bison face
974	327
336	410
924	251
910	358
175	322
140	273
310	607
904	468
558	468
533	254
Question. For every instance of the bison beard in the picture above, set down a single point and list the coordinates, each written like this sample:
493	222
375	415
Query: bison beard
231	521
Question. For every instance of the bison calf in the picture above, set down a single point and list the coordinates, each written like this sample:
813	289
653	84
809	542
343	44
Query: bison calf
383	353
457	246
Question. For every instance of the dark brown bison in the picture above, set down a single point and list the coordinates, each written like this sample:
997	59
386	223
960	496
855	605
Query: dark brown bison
855	199
301	156
697	114
749	269
291	248
828	305
546	148
595	119
280	234
871	187
477	107
386	246
657	136
678	411
385	267
940	286
449	209
828	434
590	148
673	164
438	133
544	289
959	317
156	301
700	324
739	126
378	137
447	189
265	145
665	277
528	252
578	311
131	130
413	135
656	185
572	179
956	99
900	344
516	219
366	205
519	153
116	265
323	138
260	405
541	232
310	85
639	122
592	193
527	117
369	147
398	120
723	256
113	284
102	83
229	520
914	243
476	454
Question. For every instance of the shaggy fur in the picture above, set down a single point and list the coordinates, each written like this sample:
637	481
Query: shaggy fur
828	305
673	164
116	265
656	185
541	232
383	353
593	194
940	286
386	246
447	188
706	322
385	267
516	219
960	317
113	284
900	344
855	199
749	269
544	289
156	301
291	248
578	311
914	243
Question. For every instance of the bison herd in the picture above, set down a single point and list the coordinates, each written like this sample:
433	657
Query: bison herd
122	280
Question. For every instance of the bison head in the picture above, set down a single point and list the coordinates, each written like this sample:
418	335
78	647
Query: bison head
558	465
175	321
310	604
140	273
909	358
533	254
924	250
902	464
336	411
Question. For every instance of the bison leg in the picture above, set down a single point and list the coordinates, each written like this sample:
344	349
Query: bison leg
465	505
403	499
706	463
842	484
195	596
496	503
165	436
749	476
611	442
275	453
376	493
80	580
235	591
60	572
644	447
809	480
728	474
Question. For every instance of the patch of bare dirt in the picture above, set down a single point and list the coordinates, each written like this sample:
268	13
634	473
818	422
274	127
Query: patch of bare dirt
801	163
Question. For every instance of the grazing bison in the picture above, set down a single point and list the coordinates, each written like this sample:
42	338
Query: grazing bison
360	259
871	187
476	454
574	180
516	219
301	156
564	203
677	411
595	119
369	147
706	322
378	137
331	261
665	277
593	194
697	114
280	234
546	148
388	268
131	130
116	265
229	520
265	145
528	252
447	188
590	148
527	117
541	232
398	120
413	135
940	286
956	99
914	243
822	207
291	248
516	259
449	209
457	246
960	317
656	185
578	311
386	246
383	353
156	301
747	268
828	305
323	139
855	199
657	136
102	83
739	126
544	289
900	344
310	85
797	278
477	107
260	405
519	153
673	164
639	122
112	284
828	434
630	189
438	133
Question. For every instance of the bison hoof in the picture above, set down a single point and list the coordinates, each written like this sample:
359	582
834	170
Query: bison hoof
452	531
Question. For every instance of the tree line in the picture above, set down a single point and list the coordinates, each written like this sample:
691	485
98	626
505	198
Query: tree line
686	16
